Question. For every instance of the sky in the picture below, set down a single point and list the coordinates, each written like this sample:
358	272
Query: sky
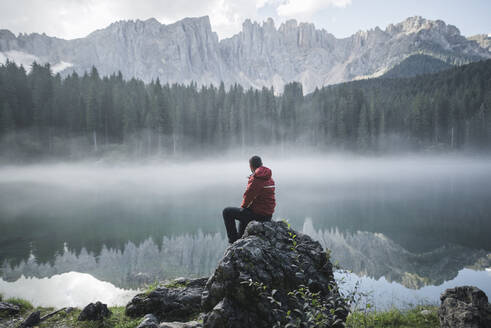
77	18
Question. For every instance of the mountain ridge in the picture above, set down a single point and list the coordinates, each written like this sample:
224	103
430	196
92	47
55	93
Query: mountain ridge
260	55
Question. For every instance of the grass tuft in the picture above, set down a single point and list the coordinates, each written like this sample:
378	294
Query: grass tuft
22	304
151	287
395	318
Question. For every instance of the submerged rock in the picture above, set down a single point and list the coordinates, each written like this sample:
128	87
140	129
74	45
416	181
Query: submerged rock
94	312
179	300
464	307
251	284
7	309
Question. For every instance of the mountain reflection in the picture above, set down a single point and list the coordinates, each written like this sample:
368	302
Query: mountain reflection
134	265
374	255
365	253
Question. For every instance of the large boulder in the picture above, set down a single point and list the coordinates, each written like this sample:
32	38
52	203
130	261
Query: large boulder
268	274
179	300
464	307
94	312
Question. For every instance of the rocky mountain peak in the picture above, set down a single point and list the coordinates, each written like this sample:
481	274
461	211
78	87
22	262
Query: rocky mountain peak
269	24
416	24
260	55
203	22
289	25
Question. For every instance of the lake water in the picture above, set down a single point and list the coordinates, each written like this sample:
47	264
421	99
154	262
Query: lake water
406	227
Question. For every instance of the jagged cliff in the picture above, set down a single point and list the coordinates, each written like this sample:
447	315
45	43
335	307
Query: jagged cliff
260	55
484	40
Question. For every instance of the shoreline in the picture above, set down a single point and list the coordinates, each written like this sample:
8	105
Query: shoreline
416	316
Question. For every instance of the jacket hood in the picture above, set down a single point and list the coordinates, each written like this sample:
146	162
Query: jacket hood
263	172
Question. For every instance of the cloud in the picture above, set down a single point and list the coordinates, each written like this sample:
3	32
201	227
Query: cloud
295	8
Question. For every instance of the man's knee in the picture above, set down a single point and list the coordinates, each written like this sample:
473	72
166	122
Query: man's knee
226	211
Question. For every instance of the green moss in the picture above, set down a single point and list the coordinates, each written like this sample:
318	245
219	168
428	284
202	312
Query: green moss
22	304
395	318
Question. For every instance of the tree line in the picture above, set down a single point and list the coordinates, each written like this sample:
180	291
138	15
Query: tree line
42	114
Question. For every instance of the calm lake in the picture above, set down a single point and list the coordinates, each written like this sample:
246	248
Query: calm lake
406	227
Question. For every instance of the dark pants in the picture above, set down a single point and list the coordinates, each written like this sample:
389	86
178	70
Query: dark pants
244	216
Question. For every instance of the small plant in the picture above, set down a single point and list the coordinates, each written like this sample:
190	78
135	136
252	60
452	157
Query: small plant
151	287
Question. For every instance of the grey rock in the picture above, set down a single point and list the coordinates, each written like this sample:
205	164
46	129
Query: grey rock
264	255
32	320
94	312
8	309
149	321
464	307
180	300
260	55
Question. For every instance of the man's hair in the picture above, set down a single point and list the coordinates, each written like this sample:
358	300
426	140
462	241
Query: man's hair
255	161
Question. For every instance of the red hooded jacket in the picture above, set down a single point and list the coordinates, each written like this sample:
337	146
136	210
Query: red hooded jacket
259	195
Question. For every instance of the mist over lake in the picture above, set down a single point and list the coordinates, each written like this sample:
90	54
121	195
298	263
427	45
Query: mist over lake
406	226
351	140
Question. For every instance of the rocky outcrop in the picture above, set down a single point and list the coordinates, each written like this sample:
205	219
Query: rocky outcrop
260	55
179	299
94	312
251	284
464	307
272	275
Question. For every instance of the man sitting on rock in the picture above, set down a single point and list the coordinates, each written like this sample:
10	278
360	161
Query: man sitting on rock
258	202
